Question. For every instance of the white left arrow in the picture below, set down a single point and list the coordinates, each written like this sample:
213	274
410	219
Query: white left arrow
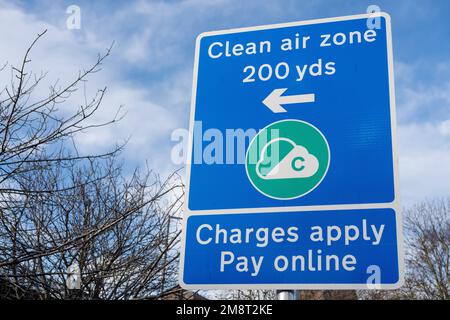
275	99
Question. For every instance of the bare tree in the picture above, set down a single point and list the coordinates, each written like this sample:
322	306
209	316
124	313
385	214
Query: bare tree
33	131
114	230
428	238
247	295
59	208
427	234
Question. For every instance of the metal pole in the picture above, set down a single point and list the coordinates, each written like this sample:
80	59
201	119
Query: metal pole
285	294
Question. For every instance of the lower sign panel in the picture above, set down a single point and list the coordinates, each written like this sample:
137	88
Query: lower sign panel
346	249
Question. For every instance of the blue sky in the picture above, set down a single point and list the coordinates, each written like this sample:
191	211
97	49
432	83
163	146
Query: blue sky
151	67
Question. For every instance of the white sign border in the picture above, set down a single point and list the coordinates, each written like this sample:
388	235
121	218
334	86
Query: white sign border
395	204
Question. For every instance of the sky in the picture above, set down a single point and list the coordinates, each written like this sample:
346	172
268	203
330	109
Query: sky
150	69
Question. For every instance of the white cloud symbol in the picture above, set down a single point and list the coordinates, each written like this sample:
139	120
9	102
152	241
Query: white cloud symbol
298	163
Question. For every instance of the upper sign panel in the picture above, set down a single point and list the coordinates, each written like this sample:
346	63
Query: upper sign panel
317	94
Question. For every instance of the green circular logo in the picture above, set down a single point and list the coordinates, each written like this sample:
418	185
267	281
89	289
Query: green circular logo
287	159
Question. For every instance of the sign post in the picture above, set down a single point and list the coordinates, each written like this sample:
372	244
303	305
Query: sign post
292	178
285	294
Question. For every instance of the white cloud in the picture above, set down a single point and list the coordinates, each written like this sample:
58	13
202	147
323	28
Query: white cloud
444	128
424	151
63	53
420	98
423	130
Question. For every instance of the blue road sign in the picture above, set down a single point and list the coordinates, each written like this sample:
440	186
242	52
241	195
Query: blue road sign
311	247
293	125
